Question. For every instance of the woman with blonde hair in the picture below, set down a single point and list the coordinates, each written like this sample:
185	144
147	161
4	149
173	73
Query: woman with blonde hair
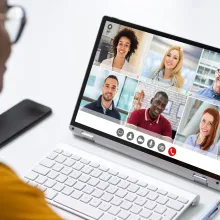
208	127
169	72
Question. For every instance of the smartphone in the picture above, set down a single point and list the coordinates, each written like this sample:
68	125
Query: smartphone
20	118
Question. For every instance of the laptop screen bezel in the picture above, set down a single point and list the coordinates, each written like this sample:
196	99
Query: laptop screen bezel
114	138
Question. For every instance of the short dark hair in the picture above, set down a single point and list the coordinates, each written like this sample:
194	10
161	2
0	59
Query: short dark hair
129	33
162	94
111	77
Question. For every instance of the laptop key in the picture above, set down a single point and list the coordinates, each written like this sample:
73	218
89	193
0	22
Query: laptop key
47	163
76	194
76	157
123	214
132	180
60	159
162	200
114	210
50	194
169	214
78	206
107	216
58	150
69	162
67	154
133	217
160	209
172	196
183	200
155	216
57	167
145	213
174	205
95	202
41	170
52	155
31	175
84	161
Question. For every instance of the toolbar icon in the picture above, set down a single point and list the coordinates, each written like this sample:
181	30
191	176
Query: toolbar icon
130	136
172	151
120	132
161	147
151	143
140	139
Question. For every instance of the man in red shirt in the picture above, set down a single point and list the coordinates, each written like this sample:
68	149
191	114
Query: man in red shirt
151	118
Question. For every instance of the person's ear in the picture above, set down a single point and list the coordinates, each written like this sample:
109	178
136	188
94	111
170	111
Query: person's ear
151	100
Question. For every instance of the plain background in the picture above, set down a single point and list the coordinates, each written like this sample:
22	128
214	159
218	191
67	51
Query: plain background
49	62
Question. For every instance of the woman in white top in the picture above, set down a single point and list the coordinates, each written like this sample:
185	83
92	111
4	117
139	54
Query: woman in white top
124	44
204	141
169	72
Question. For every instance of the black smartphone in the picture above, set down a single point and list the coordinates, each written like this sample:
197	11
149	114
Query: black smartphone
20	118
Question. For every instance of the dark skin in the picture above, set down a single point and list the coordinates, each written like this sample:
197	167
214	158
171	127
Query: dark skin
5	45
158	104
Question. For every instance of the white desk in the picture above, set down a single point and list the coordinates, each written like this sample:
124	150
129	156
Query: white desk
49	63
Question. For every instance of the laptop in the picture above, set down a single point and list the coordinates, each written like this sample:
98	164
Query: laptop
149	95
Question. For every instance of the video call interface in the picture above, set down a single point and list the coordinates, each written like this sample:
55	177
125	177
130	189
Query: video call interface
161	87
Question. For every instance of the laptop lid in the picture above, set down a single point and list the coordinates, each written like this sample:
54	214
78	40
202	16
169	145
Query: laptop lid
155	97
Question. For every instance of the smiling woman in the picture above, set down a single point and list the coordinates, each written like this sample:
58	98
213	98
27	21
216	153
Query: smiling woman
169	72
124	44
208	127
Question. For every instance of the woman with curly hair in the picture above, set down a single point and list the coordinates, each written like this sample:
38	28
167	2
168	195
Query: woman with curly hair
124	44
169	72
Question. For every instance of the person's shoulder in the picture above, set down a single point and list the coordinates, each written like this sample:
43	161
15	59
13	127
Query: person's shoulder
128	67
202	91
164	119
107	61
90	105
140	111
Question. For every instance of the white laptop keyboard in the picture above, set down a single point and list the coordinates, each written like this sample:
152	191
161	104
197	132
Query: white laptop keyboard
95	188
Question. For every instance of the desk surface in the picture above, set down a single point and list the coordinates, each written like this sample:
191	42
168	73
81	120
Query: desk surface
49	63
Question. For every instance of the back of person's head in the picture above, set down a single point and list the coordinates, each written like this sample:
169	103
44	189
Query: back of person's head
130	34
210	138
112	77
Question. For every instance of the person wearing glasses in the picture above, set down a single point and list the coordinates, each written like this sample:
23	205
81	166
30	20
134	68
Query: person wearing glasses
124	45
19	201
211	92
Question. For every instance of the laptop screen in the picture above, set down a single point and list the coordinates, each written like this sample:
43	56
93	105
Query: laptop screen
154	92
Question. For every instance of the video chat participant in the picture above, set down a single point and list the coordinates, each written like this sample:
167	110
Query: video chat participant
211	92
151	118
105	104
19	201
208	127
124	45
169	71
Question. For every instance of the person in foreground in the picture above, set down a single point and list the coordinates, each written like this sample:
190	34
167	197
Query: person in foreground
105	104
151	118
19	201
208	127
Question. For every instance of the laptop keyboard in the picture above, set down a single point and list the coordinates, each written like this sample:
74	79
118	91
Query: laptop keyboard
95	191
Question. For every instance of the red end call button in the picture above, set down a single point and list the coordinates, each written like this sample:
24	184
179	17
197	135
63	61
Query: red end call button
172	151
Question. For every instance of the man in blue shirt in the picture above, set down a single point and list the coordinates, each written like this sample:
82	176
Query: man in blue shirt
211	92
105	104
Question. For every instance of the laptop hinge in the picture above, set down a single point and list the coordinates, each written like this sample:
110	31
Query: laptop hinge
87	136
200	179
